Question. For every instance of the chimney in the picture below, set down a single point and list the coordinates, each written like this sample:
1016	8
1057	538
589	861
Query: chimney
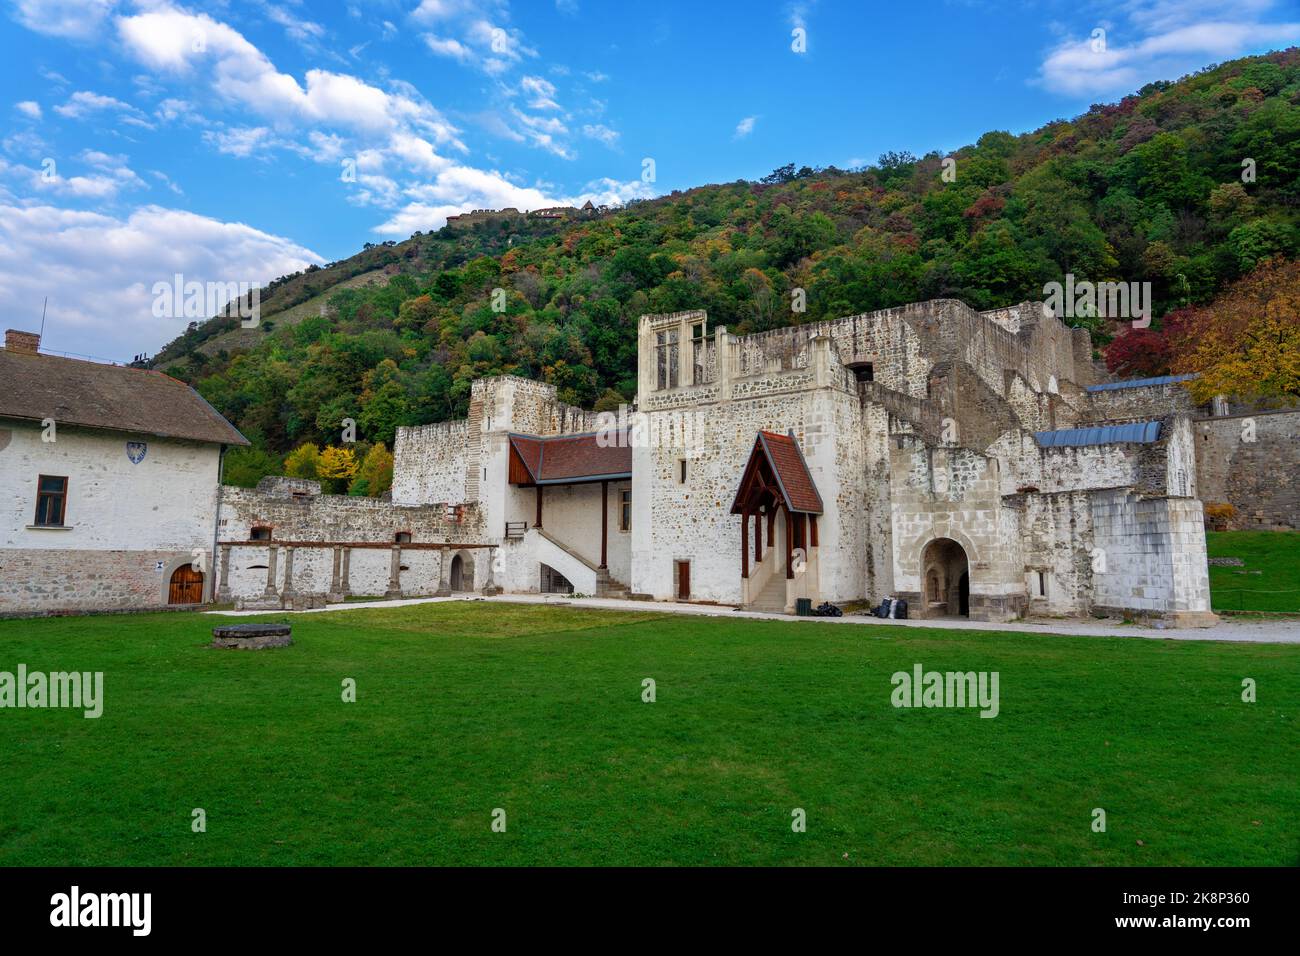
28	342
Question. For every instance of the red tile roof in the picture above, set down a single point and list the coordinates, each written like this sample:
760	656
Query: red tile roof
784	461
570	459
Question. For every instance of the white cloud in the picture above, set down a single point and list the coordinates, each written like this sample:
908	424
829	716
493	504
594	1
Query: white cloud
541	93
108	175
193	46
797	12
99	270
74	19
173	108
1160	40
29	108
601	132
448	47
545	132
241	141
745	127
83	103
300	30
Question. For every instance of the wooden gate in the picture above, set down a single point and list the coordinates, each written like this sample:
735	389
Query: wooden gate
186	586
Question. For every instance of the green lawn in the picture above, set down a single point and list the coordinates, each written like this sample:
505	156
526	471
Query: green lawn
466	707
1269	580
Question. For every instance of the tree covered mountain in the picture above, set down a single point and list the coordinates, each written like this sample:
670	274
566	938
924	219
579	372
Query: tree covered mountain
1188	185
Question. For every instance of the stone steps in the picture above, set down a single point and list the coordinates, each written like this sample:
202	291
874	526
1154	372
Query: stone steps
772	598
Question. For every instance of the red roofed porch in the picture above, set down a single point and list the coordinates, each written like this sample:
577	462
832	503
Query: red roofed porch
778	563
561	463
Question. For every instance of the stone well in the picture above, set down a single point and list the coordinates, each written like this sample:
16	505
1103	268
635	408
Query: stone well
251	637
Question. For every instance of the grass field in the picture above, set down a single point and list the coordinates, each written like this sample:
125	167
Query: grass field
466	707
1269	580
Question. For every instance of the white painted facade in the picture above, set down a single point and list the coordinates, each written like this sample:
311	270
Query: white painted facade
126	527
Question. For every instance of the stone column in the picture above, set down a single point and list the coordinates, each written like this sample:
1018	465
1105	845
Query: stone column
345	589
223	588
271	552
336	593
288	591
444	573
395	574
490	588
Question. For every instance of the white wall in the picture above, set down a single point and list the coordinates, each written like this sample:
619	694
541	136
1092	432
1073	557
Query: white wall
166	502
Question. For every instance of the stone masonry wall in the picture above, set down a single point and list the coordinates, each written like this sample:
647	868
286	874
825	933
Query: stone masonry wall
1259	477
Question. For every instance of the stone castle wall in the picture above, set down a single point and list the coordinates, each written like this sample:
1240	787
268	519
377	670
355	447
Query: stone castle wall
1258	478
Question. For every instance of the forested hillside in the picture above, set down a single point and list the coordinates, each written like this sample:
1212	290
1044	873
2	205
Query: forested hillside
1150	189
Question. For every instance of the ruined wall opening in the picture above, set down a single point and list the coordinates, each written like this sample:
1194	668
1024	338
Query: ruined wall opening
946	573
460	576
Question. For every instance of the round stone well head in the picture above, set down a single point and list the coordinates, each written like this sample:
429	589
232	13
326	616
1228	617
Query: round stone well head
252	637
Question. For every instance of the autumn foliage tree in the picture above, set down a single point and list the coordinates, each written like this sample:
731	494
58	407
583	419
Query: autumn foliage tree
1138	353
1246	344
375	476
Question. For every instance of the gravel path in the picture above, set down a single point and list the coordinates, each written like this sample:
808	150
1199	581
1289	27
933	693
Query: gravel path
1273	631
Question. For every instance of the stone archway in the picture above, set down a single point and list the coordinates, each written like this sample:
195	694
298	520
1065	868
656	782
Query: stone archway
460	577
945	574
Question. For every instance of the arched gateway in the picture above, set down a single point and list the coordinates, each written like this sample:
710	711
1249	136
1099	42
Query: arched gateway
945	577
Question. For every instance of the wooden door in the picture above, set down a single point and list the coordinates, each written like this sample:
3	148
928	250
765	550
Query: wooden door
186	586
683	580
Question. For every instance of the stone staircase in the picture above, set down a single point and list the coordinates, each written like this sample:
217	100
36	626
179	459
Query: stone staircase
608	587
772	598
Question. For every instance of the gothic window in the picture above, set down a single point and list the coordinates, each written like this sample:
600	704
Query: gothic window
666	359
699	350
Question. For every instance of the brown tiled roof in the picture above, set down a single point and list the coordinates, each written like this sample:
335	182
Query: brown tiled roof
569	459
785	463
72	392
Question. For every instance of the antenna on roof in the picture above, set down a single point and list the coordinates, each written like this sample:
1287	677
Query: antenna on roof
43	308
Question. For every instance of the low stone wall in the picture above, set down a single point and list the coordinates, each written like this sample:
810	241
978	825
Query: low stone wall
343	518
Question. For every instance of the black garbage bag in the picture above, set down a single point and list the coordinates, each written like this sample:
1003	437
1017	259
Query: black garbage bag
827	609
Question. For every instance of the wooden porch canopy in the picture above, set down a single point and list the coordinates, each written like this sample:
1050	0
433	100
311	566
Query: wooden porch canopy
775	477
572	460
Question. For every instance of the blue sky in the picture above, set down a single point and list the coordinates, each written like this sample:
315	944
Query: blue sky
235	141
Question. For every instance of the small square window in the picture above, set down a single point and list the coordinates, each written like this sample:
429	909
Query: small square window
51	500
402	537
259	533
